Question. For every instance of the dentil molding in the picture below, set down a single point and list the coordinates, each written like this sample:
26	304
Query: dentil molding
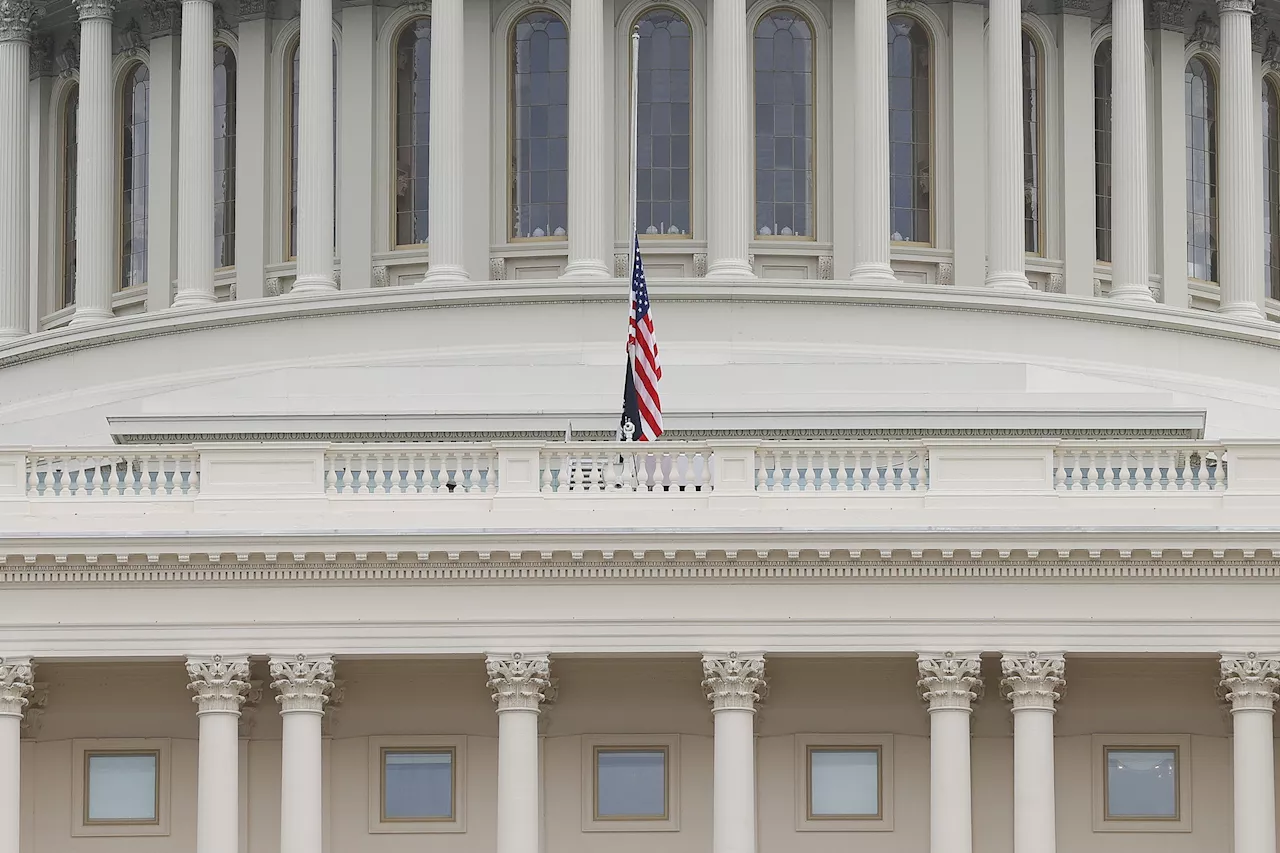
220	684
519	682
1249	681
950	681
1033	680
17	678
733	682
303	682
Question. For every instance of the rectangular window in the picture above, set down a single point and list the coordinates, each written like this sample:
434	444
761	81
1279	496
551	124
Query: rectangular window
417	784
631	783
1141	783
844	783
122	787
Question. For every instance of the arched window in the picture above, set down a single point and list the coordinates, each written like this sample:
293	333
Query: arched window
540	126
224	156
413	131
784	82
70	113
1032	82
664	113
292	85
134	108
1202	171
1271	186
1102	150
910	95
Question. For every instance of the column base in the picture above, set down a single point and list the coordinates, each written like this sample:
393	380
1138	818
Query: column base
876	273
445	274
587	268
1138	293
194	299
312	286
90	316
8	336
1009	282
729	268
1248	312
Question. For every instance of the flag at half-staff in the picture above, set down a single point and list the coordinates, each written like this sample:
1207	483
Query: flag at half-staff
641	405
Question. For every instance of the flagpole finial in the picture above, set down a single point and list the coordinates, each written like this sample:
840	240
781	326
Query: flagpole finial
628	430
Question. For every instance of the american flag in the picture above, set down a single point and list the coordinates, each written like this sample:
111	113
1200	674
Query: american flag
641	406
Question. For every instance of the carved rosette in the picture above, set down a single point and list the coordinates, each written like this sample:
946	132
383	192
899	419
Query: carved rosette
17	677
95	9
519	682
303	682
220	684
16	19
734	681
1033	680
1249	682
950	681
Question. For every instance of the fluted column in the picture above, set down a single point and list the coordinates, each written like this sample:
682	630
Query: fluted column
949	684
730	129
303	684
1130	214
16	17
95	167
220	685
590	206
1006	237
447	188
1238	215
195	158
1249	684
870	146
518	683
315	150
734	683
16	676
1033	682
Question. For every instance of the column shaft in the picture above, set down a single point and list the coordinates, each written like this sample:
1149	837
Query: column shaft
300	782
15	684
733	828
518	818
1130	213
1253	763
315	150
1238	215
218	783
15	187
590	206
1034	808
195	158
96	249
729	122
871	146
950	794
448	189
1006	240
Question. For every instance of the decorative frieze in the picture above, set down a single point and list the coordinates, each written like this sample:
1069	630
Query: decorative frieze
17	676
621	265
17	18
219	683
95	9
1204	32
1249	682
162	17
1033	680
40	61
130	39
1075	7
252	10
826	267
497	269
519	682
68	58
1168	15
1258	29
381	276
950	681
699	264
733	681
303	682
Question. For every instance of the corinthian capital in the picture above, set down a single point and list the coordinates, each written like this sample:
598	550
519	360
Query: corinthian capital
1033	680
519	682
1235	6
17	18
1249	681
950	680
16	678
90	9
733	681
303	682
220	684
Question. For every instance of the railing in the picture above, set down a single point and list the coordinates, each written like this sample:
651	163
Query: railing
113	471
850	467
410	469
1088	466
592	468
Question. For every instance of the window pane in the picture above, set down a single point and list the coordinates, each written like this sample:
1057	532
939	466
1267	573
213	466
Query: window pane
1271	188
134	181
224	156
909	130
122	788
1142	783
1102	150
1031	142
1202	172
784	81
417	785
844	783
631	783
413	131
664	105
69	153
540	113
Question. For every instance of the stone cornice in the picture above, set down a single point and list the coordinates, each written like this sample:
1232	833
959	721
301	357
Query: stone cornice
1249	681
518	681
950	681
303	682
17	18
220	683
733	682
1032	681
17	677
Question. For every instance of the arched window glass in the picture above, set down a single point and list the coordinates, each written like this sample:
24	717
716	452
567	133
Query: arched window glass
664	112
1202	172
784	81
1271	187
135	106
1031	128
540	126
1102	150
295	91
909	131
224	156
413	131
70	112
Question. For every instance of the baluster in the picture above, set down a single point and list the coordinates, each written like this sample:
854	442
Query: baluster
546	460
33	477
195	474
762	473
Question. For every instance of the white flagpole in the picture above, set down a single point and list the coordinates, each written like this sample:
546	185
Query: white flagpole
631	199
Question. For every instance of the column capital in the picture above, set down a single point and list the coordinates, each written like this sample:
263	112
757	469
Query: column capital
950	681
733	681
17	677
220	683
17	18
95	9
1225	6
303	682
1249	681
1033	680
519	681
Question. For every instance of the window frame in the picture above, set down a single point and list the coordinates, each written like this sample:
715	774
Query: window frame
223	39
592	745
66	208
1210	62
124	69
1106	43
82	751
805	745
379	747
927	29
1027	32
1271	280
393	140
1102	744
